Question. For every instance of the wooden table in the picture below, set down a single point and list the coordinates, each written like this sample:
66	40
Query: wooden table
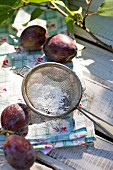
96	64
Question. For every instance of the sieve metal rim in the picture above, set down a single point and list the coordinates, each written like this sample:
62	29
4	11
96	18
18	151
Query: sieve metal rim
41	65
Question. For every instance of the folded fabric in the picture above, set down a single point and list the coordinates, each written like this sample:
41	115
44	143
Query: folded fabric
63	143
71	131
75	129
61	137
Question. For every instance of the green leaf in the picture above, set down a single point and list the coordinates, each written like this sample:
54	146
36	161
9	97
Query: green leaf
10	2
106	8
60	3
7	9
4	9
25	24
70	24
36	13
6	12
37	1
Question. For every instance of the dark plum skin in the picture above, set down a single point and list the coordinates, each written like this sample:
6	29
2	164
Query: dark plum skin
60	48
19	152
33	37
15	117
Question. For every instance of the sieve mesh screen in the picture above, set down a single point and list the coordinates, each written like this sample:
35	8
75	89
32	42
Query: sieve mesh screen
52	89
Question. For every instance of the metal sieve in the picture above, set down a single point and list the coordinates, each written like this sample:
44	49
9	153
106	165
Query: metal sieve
53	90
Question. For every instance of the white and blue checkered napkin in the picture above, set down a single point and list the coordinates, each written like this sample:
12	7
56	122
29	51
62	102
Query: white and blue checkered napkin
73	130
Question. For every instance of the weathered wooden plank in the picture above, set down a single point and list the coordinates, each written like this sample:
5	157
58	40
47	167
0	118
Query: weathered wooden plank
100	26
53	162
99	156
77	3
97	62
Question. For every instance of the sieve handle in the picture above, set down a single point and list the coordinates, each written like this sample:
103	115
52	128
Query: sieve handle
20	70
105	126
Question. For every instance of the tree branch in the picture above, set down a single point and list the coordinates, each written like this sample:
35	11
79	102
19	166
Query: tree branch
59	9
86	13
93	13
98	41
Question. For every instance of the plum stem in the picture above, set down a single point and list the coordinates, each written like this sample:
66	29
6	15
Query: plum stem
5	132
81	49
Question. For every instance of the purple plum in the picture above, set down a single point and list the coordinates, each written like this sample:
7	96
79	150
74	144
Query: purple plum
60	48
33	37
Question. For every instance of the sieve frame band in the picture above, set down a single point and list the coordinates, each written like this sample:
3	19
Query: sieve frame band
42	65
